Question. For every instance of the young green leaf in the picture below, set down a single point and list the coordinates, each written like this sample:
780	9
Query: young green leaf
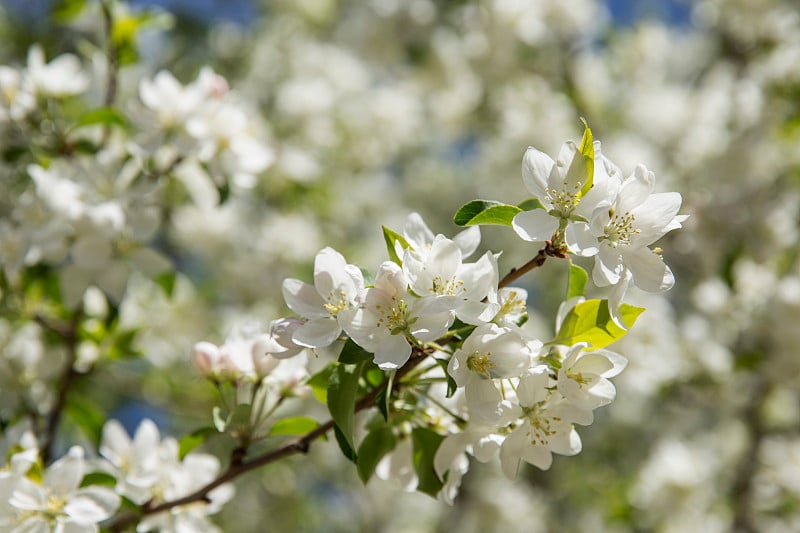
587	150
298	425
591	322
352	353
530	204
485	212
189	442
166	280
319	383
391	238
105	116
98	479
451	383
382	400
426	442
378	442
342	389
576	284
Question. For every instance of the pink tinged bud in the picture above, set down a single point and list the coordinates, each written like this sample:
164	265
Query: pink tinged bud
263	362
205	357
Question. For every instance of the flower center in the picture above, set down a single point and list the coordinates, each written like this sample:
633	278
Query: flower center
620	229
579	378
513	305
481	363
564	201
396	318
336	303
542	428
449	287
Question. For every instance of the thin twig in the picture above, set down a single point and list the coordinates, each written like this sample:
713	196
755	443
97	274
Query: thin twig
742	487
538	260
69	334
236	469
112	55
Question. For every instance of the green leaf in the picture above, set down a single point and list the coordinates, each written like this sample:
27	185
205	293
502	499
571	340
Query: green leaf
485	212
66	10
166	281
391	238
591	322
342	389
587	150
451	383
426	442
298	425
86	416
98	478
352	353
319	383
344	444
106	116
576	285
385	394
530	204
194	439
378	442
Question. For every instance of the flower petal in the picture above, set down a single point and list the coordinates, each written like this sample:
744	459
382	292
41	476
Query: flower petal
303	299
649	271
317	333
536	169
535	225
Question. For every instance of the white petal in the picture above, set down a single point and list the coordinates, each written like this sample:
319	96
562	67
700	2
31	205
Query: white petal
477	313
430	327
655	217
64	476
392	352
303	299
607	266
114	280
28	496
115	443
331	275
649	271
391	280
535	225
92	504
450	448
34	524
616	297
416	232
317	333
468	240
581	241
536	169
511	451
149	261
572	169
635	189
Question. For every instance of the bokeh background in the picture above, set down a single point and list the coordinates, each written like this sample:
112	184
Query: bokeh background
379	108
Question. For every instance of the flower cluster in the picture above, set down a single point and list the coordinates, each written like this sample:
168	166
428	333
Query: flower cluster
511	395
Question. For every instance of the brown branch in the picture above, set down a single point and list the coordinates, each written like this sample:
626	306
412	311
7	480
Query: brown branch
69	334
236	469
742	488
112	55
538	260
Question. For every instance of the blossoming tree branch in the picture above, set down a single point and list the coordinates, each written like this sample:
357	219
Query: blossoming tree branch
436	366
